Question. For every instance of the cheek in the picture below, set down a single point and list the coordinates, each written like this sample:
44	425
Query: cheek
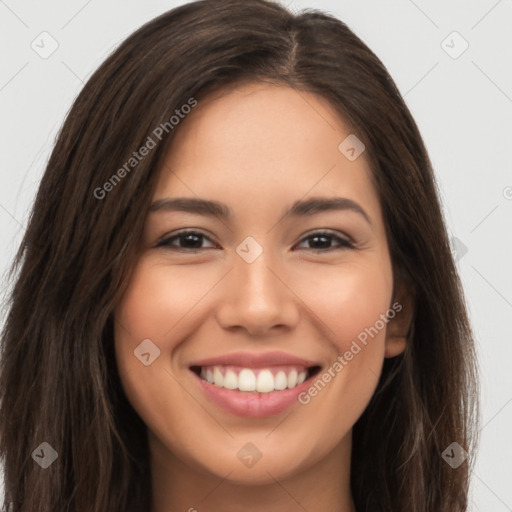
157	300
350	300
351	303
150	309
154	307
347	303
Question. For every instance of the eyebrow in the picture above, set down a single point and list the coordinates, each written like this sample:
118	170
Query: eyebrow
300	208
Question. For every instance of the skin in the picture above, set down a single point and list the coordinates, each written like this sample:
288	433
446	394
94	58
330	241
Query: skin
257	148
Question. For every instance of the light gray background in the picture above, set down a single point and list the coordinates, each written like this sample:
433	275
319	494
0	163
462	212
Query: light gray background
463	107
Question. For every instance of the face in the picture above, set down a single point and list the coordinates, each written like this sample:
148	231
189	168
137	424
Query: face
279	301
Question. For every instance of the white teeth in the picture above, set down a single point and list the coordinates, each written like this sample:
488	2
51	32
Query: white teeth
265	382
230	380
261	381
280	381
246	380
292	379
218	377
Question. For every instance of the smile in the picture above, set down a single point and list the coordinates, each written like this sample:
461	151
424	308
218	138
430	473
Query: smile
264	380
254	385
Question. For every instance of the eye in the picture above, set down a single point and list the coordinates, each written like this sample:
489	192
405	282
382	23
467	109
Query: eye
190	240
322	241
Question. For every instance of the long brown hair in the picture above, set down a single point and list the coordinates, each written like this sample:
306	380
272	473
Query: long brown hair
59	379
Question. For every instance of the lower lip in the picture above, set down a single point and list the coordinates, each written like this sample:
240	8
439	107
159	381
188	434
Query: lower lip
252	405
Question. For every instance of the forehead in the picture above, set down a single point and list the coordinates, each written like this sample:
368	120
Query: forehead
261	121
264	143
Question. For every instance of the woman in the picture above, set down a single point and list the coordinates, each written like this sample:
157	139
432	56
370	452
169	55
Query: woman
315	354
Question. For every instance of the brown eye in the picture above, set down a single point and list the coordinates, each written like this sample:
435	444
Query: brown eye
185	240
322	241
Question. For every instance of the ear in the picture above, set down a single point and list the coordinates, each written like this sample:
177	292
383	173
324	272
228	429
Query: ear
400	317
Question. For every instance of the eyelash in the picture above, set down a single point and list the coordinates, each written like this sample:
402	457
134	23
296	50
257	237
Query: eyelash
343	243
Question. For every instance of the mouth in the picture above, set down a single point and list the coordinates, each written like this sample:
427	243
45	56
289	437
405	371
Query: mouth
255	380
254	385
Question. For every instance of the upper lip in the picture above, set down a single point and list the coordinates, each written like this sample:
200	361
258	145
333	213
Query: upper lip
256	360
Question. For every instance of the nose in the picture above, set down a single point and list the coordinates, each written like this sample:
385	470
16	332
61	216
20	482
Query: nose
257	298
